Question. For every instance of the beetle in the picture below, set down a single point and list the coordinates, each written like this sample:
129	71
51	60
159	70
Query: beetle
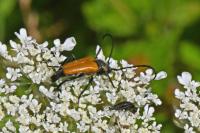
76	68
127	106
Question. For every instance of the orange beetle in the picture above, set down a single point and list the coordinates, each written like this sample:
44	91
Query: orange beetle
88	66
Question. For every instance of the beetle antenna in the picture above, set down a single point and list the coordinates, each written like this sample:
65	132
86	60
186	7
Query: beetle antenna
98	52
111	51
145	66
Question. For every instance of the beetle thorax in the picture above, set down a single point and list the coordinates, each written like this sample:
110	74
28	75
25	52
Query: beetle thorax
103	67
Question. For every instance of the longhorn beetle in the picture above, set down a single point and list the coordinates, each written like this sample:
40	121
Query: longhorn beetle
88	66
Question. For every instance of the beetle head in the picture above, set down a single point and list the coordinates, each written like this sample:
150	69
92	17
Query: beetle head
103	67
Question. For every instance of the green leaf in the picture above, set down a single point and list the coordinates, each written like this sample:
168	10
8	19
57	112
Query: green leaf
6	7
189	54
115	17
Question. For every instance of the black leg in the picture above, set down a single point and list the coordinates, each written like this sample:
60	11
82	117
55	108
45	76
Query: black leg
68	59
73	78
85	88
52	66
110	80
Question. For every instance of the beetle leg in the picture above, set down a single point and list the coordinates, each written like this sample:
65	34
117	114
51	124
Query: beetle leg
52	66
110	80
69	59
73	78
85	88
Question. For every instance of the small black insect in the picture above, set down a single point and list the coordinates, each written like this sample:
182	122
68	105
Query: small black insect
127	106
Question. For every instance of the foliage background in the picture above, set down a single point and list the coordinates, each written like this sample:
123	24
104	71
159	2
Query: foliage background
163	34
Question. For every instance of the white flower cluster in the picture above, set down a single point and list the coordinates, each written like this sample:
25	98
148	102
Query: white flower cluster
188	113
31	103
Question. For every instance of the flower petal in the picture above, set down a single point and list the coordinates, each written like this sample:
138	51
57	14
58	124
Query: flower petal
69	44
185	78
161	75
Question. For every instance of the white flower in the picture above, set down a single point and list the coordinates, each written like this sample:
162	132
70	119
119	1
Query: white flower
148	113
74	114
13	74
35	106
23	129
53	118
48	92
178	113
57	59
22	35
10	89
21	59
69	44
83	127
161	75
188	129
35	77
10	126
186	80
179	94
154	98
188	111
43	47
100	54
47	55
28	68
112	97
20	49
125	64
146	77
3	50
2	114
63	127
14	99
33	51
11	109
39	105
113	63
2	83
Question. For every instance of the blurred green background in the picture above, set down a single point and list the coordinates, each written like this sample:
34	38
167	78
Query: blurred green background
163	34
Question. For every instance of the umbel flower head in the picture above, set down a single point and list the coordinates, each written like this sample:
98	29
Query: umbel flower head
30	102
188	113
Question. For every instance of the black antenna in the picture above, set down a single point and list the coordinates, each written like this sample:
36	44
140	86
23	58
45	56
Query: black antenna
147	66
98	51
111	51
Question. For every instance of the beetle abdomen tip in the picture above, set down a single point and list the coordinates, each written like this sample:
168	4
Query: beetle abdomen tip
57	75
